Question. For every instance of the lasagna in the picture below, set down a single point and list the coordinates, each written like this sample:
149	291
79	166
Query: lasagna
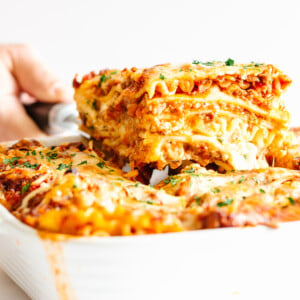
69	189
221	114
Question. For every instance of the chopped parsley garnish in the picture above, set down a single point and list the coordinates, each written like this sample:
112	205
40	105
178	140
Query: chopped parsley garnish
229	62
101	164
220	139
191	170
252	65
216	190
101	80
73	154
241	180
33	152
14	159
245	156
195	175
198	200
94	104
256	64
137	184
53	147
27	164
208	63
25	188
196	62
82	163
228	201
146	201
247	66
6	161
292	201
41	154
173	180
63	166
52	155
262	191
114	72
75	186
255	179
162	77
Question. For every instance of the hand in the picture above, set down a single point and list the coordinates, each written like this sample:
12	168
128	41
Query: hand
23	73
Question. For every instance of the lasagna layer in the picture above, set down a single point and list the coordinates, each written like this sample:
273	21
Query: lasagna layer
231	116
241	198
70	189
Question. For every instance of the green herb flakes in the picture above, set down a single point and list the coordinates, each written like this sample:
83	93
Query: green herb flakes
191	170
198	200
228	201
242	178
229	62
292	201
208	63
101	80
27	164
62	167
25	188
94	104
101	164
6	161
173	180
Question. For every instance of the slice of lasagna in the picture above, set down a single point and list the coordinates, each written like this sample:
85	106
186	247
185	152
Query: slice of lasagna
69	189
241	198
215	113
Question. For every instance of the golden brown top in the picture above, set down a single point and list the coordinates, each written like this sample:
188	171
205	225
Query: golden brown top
253	81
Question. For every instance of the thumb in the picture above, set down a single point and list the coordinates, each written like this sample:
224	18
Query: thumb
34	77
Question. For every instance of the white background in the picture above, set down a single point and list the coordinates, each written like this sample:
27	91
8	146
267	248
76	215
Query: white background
80	36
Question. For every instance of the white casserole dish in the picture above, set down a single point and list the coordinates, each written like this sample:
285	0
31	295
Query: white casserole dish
230	263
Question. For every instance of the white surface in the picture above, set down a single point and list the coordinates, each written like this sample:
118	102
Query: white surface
78	36
9	290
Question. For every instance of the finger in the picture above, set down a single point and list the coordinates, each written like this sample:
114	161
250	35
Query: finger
35	78
12	128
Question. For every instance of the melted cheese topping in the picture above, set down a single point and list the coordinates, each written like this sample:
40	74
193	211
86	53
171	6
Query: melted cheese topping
69	189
